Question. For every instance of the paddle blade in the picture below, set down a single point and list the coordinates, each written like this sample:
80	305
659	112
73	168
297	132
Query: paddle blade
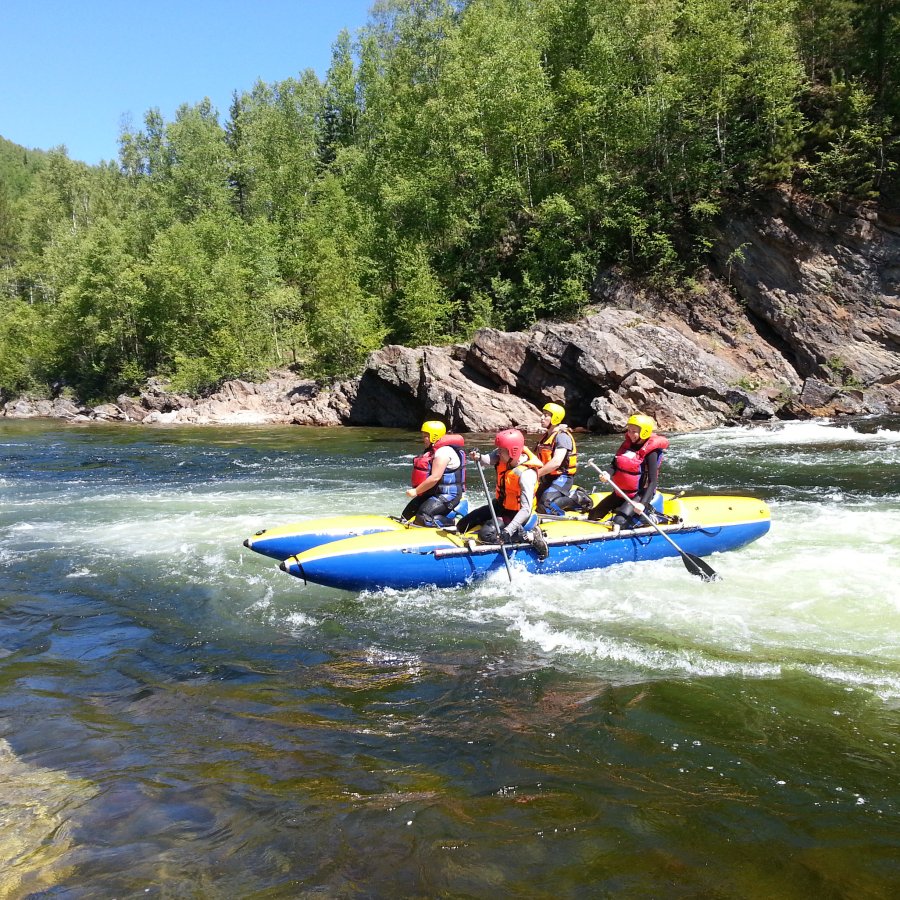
697	567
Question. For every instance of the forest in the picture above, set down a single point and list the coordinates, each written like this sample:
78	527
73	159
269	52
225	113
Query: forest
461	165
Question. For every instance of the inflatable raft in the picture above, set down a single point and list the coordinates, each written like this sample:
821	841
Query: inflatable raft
374	552
298	537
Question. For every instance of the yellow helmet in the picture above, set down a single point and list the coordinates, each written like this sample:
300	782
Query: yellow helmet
645	423
434	429
557	412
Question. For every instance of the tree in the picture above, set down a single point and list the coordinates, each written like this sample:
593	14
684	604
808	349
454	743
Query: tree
342	318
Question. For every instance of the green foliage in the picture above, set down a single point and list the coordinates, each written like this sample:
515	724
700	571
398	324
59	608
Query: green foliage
853	159
341	318
463	164
422	312
556	270
18	166
25	348
199	327
274	137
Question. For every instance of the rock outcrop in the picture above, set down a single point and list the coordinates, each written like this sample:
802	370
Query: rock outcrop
823	284
799	316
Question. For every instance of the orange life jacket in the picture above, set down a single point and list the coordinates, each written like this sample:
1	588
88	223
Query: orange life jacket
509	485
546	448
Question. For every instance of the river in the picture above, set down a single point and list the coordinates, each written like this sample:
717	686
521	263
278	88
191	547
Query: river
178	718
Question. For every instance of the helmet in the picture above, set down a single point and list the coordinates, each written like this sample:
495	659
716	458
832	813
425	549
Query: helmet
434	429
557	412
645	423
512	440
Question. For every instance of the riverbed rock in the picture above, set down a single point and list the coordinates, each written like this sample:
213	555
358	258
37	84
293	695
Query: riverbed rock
107	411
401	387
132	409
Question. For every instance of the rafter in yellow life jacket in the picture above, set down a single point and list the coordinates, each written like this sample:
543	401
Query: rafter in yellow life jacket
547	447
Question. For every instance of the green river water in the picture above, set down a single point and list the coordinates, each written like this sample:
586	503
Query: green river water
180	719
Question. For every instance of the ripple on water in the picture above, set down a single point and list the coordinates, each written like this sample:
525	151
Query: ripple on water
178	711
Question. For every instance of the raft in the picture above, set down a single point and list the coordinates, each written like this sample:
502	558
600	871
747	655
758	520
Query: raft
298	537
403	556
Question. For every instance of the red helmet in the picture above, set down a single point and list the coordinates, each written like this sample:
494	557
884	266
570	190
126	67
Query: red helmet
512	440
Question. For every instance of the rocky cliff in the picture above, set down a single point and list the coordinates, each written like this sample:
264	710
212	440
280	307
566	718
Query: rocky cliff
799	315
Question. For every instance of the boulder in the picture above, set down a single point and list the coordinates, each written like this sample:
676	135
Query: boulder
132	409
107	411
401	387
821	280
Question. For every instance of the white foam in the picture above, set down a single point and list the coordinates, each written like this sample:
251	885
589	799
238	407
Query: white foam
790	434
818	594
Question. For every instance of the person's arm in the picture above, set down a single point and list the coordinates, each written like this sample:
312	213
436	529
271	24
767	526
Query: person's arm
608	474
438	465
553	463
651	462
486	459
527	484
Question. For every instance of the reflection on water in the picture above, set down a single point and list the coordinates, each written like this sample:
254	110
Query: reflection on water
179	718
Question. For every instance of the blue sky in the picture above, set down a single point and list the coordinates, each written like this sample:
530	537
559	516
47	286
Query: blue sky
72	72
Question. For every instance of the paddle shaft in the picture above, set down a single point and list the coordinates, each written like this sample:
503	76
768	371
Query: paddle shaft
490	501
694	564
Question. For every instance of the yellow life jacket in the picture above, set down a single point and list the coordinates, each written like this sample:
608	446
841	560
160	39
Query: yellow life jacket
546	448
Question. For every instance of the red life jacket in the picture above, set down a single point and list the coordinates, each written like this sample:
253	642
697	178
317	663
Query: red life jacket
628	464
627	472
654	442
509	487
422	465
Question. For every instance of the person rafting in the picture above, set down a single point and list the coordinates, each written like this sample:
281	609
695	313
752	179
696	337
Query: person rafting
559	461
438	478
514	502
635	469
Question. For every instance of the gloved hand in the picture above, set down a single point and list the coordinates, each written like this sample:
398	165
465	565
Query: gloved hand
506	536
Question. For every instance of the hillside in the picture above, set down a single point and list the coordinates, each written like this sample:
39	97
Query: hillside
18	166
462	166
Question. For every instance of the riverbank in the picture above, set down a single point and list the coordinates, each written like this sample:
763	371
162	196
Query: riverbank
797	316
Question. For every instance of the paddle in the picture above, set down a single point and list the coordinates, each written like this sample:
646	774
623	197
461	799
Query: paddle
693	564
490	501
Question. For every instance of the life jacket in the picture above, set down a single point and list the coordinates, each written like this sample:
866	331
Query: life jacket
627	472
452	484
638	454
509	486
547	447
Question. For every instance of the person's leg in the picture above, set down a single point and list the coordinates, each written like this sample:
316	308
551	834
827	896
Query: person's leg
577	499
551	501
605	506
429	511
411	508
473	519
535	537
